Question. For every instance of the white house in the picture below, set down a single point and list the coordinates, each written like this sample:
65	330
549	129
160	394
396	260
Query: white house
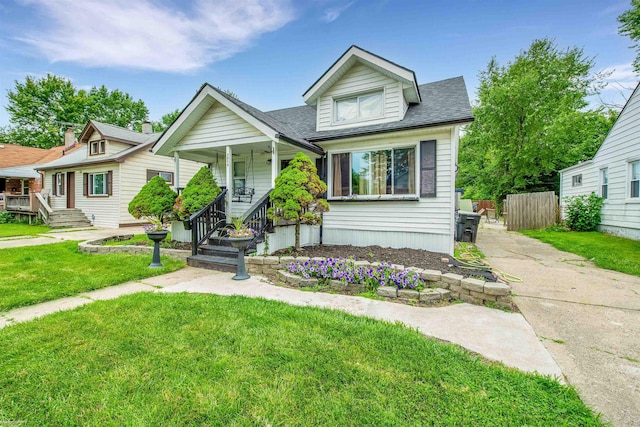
613	173
103	174
386	146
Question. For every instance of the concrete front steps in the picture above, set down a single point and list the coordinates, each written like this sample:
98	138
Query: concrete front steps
68	218
218	254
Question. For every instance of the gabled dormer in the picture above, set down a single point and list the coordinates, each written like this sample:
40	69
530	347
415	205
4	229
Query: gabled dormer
362	89
105	140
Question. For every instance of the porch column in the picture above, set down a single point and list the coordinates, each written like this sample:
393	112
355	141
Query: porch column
274	163
229	180
176	175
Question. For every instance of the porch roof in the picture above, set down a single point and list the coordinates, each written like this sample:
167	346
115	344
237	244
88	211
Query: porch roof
21	172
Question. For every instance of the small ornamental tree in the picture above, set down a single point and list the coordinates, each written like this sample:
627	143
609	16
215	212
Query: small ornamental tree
583	212
201	190
154	202
295	195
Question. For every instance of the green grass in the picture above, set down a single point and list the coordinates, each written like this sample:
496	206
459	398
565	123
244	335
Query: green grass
466	250
34	274
18	229
605	251
181	359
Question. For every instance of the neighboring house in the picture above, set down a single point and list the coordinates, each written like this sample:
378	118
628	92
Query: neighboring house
613	173
386	146
18	178
107	170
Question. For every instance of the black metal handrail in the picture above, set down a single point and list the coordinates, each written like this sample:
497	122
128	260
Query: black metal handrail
209	219
256	218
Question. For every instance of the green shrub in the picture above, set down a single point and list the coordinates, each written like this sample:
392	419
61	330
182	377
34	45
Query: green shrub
583	212
6	218
154	202
201	190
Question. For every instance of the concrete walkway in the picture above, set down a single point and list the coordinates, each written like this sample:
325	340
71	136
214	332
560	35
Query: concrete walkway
497	335
588	318
58	235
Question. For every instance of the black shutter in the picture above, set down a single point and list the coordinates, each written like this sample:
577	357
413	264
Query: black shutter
62	185
428	168
110	183
54	188
85	184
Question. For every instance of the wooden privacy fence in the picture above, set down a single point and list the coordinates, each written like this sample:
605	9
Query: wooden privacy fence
531	210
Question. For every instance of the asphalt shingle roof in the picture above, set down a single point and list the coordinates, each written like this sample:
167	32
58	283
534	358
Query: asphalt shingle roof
444	101
122	134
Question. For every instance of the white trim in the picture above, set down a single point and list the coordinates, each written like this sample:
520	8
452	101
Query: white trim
220	144
105	184
357	96
229	179
601	182
176	174
628	198
455	137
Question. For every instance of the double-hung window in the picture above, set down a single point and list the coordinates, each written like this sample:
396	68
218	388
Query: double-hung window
58	187
361	107
98	184
634	179
374	173
96	147
604	183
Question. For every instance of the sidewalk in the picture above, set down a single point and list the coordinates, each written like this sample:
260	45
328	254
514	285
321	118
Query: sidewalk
496	335
588	318
62	234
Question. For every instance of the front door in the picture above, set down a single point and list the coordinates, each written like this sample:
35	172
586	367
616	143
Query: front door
71	190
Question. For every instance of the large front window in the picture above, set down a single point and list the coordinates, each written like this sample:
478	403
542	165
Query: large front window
98	184
374	173
360	107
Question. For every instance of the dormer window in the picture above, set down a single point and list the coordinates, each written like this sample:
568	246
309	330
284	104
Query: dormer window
96	147
361	107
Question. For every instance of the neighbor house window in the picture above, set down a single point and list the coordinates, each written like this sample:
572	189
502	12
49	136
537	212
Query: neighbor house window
359	107
374	173
604	183
634	182
98	184
96	147
58	184
167	176
25	187
576	180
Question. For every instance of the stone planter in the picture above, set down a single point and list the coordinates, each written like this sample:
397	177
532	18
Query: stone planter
157	237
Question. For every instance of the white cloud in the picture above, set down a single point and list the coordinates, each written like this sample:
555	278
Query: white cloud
334	13
620	81
148	35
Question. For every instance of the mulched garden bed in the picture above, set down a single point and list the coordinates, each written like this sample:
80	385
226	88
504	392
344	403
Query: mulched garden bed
407	257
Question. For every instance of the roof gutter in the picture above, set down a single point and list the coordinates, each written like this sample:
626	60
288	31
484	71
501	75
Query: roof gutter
311	147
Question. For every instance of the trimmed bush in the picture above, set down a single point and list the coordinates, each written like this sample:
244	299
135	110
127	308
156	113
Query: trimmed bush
154	202
583	212
201	190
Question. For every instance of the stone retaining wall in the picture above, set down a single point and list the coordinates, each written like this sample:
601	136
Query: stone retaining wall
96	247
440	286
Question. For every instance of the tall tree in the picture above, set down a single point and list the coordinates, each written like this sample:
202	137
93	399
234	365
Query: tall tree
529	122
630	27
165	121
41	109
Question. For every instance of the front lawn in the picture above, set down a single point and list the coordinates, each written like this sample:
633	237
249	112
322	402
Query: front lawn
181	359
19	229
34	274
605	251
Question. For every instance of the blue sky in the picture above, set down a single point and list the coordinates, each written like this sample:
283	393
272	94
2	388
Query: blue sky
270	51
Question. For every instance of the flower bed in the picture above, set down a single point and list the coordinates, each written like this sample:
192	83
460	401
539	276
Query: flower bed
348	271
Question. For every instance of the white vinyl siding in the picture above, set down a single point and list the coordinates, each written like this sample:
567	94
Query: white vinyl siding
219	124
425	223
360	80
134	176
620	214
105	209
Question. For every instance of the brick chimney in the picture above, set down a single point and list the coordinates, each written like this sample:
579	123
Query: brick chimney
146	127
69	138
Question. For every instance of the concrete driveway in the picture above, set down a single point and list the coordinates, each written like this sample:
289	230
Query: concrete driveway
588	318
